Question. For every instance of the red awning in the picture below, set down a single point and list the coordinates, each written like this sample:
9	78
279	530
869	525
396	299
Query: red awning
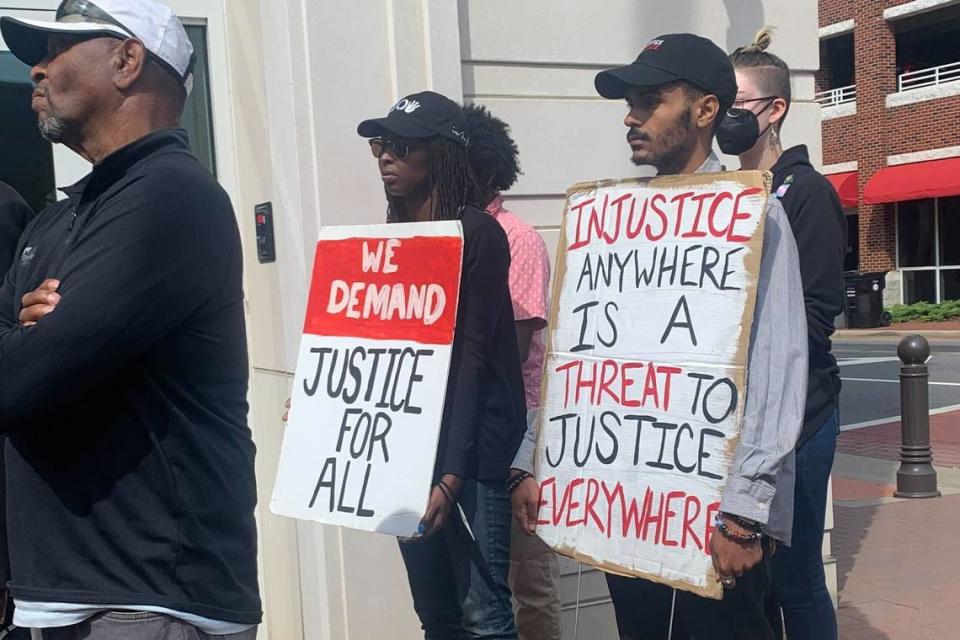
914	181
846	187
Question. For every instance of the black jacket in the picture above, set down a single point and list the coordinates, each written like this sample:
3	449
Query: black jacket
820	229
14	216
484	416
129	462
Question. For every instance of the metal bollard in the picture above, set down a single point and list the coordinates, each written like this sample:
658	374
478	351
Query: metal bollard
916	478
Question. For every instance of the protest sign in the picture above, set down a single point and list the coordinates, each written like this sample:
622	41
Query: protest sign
360	445
644	383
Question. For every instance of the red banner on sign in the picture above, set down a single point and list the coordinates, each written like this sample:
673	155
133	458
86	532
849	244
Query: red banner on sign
386	288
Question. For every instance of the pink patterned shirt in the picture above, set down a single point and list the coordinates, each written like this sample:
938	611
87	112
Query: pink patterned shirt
529	280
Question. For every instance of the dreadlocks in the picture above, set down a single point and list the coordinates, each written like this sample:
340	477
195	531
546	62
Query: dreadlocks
451	182
493	153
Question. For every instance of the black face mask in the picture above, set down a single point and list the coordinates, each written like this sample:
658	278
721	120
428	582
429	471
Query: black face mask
740	130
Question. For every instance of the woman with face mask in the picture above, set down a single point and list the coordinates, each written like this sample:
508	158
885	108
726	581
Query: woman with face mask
751	130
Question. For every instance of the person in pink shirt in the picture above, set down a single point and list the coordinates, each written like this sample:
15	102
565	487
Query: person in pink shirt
534	568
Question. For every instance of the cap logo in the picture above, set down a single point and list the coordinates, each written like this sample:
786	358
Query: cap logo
407	106
653	45
460	134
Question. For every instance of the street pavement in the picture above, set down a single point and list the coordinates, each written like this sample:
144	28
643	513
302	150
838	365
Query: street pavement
899	577
871	390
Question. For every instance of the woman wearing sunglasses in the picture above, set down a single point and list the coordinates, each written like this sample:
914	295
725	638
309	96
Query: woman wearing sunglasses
457	567
752	131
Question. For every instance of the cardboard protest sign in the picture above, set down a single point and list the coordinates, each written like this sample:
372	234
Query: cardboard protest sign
644	383
360	445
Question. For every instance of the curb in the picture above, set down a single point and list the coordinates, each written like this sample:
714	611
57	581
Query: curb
939	334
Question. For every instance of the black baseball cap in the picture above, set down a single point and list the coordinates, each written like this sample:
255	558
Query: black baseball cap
673	57
420	115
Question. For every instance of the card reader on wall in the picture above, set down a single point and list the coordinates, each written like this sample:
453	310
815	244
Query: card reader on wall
266	247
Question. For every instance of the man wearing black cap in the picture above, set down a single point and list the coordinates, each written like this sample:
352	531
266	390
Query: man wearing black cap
123	362
458	573
677	91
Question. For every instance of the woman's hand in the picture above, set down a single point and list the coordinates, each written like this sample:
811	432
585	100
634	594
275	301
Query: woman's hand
442	500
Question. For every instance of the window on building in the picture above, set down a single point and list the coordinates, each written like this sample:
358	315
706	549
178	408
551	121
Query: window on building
928	48
198	114
928	252
836	78
950	231
852	260
837	54
30	170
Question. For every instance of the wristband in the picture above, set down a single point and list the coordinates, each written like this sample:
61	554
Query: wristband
514	482
446	491
746	539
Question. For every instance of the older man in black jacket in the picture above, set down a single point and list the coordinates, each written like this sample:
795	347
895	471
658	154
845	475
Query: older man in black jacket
131	468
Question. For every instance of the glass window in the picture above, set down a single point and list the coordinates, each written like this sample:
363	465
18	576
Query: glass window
198	114
915	234
950	284
950	231
919	286
836	59
852	260
30	169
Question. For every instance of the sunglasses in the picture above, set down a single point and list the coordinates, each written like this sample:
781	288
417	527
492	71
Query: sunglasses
71	11
399	149
87	11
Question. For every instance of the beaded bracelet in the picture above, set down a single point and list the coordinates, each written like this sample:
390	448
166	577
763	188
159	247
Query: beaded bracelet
749	525
514	482
747	539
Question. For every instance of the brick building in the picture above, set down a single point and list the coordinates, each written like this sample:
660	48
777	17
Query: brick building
889	87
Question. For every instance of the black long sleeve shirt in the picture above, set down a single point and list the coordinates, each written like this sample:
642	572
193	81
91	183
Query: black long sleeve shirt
14	216
484	416
129	462
818	224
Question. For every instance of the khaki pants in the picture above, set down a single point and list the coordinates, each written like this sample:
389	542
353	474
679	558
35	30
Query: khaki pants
534	577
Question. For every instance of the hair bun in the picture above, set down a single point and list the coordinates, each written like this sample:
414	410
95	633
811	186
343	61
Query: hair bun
761	41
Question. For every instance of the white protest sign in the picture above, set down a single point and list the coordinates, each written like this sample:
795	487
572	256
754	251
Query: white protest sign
644	383
360	445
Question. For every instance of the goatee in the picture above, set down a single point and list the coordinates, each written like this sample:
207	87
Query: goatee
52	128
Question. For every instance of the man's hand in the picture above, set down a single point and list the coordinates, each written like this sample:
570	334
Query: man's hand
732	559
439	506
286	413
39	302
525	500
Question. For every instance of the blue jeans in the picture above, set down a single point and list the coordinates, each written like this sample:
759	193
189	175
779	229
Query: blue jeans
453	599
799	585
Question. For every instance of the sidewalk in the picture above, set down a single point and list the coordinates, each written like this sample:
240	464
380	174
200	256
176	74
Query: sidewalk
930	330
899	573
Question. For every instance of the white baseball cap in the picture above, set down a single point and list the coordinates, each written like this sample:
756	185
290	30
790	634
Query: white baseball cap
154	24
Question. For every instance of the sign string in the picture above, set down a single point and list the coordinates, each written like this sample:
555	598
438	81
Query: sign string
576	611
673	609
